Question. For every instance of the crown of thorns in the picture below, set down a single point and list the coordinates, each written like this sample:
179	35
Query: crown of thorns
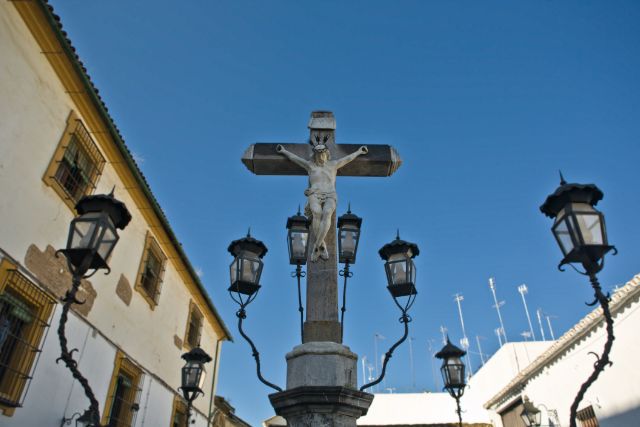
319	142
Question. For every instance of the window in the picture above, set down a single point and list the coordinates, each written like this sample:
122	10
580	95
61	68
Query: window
587	417
124	394
179	413
511	415
25	311
151	270
76	164
194	326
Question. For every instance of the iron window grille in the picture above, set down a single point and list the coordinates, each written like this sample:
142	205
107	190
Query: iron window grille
25	313
124	400
77	163
587	417
179	418
194	327
151	271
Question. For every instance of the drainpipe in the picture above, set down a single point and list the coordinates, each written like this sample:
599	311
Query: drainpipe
213	382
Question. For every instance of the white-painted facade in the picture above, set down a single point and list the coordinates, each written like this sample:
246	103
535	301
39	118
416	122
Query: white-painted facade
34	107
552	380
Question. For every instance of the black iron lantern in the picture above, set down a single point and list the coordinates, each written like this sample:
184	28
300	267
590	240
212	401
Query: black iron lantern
92	234
348	236
579	228
298	238
192	373
246	267
399	266
531	416
452	369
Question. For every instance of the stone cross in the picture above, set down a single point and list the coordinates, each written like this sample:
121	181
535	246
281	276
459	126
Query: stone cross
322	322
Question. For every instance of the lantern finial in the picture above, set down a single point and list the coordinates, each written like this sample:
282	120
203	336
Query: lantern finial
249	232
562	181
397	234
349	208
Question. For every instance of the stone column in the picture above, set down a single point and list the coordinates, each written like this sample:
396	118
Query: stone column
322	294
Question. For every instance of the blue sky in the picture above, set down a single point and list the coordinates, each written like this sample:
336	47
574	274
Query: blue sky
485	101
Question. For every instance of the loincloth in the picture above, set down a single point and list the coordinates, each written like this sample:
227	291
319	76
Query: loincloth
320	196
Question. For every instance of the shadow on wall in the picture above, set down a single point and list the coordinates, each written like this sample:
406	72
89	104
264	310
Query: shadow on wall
623	419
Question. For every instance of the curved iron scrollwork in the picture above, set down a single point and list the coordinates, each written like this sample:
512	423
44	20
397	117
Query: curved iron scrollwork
405	319
603	360
242	314
66	355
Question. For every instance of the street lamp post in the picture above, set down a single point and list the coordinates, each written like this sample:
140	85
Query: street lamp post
92	237
453	375
298	242
192	378
348	237
401	283
581	234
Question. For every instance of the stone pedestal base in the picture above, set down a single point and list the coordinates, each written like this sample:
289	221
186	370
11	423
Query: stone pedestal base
313	406
321	387
322	364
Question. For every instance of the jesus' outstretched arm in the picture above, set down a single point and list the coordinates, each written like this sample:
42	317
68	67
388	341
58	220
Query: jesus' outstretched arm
350	157
294	158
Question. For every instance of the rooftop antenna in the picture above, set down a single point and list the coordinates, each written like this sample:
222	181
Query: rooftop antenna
458	298
497	305
539	314
523	291
553	337
443	331
499	335
526	335
433	366
364	369
413	373
377	337
480	348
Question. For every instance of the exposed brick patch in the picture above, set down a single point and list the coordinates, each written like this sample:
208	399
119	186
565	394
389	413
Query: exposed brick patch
52	271
123	290
177	341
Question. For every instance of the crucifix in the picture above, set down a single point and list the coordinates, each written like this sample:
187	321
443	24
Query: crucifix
322	160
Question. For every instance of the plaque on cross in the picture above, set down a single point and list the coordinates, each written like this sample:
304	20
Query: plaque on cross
321	159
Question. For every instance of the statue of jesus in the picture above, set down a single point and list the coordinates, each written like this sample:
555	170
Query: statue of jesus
321	194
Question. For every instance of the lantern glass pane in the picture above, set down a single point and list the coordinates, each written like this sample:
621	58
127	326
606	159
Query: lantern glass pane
108	241
249	270
398	269
191	374
589	223
563	235
85	228
233	271
298	244
348	240
454	371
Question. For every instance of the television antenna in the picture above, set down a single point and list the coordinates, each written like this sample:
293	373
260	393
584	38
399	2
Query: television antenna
480	348
523	291
497	305
539	315
458	298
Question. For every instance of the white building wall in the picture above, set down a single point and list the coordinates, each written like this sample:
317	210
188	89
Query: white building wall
34	107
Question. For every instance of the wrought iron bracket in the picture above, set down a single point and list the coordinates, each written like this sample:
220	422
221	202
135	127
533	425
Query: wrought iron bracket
603	360
242	314
346	274
405	319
